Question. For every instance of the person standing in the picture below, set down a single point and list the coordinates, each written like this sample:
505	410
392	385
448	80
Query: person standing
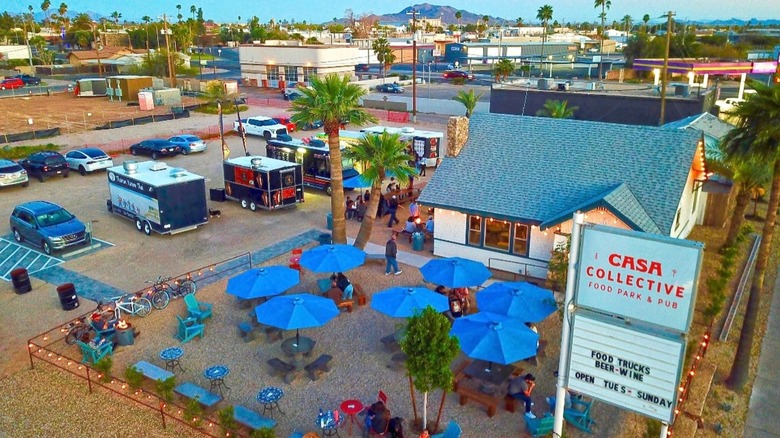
366	196
391	252
361	209
414	209
521	388
421	161
392	208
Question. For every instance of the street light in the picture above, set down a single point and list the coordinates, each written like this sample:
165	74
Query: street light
549	58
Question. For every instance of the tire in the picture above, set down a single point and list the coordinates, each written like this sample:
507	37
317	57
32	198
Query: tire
145	307
329	190
184	151
66	174
26	183
41	178
147	228
160	298
82	171
244	203
46	247
139	224
267	135
155	156
133	152
109	207
18	236
187	287
252	206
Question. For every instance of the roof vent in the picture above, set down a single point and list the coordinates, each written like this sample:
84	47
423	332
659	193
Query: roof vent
158	166
130	166
178	172
407	129
256	163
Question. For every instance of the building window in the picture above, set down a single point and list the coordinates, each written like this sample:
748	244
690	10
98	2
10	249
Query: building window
273	72
520	245
497	234
291	74
475	230
308	73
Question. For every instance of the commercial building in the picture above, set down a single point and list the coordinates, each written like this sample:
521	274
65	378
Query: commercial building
276	66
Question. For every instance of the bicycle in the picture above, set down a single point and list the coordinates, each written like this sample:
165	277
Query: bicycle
162	290
78	328
134	304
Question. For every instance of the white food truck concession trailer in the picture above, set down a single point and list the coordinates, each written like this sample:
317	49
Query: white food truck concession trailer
157	197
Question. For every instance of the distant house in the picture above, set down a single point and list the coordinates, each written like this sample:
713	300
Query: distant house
90	57
507	196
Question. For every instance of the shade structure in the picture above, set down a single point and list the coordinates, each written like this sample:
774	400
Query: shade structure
494	338
357	182
403	302
262	282
522	300
455	272
332	258
297	311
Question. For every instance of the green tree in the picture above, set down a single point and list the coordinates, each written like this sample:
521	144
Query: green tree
468	99
430	350
503	68
379	154
382	50
545	14
116	15
45	5
519	22
333	100
645	20
604	5
313	40
82	22
179	15
757	135
63	11
627	23
557	109
194	10
459	16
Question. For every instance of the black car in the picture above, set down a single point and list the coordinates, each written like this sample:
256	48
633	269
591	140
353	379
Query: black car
45	164
29	80
155	147
390	88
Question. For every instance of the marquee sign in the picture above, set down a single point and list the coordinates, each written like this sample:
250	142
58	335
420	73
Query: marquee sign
624	367
638	276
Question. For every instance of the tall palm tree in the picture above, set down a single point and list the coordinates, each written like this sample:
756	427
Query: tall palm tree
45	5
333	100
627	23
62	11
380	154
645	20
179	15
757	135
468	99
545	14
381	48
116	15
193	10
147	19
557	109
459	16
604	5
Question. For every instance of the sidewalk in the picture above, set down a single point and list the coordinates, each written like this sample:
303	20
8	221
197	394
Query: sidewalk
764	411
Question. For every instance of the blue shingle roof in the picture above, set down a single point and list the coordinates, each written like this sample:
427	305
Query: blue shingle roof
535	169
713	128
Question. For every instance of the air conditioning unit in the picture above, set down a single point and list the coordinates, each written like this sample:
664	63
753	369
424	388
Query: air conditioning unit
543	84
682	90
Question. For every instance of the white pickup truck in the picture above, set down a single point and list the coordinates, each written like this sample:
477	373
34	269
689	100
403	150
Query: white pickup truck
265	127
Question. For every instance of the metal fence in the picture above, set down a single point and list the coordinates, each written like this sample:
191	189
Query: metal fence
50	347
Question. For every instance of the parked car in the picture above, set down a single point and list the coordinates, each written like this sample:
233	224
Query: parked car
291	94
88	160
284	120
29	80
311	126
265	127
188	143
390	88
47	225
452	74
11	83
45	164
361	67
156	148
11	174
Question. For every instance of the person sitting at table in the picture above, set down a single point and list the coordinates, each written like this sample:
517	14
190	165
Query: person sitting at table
521	388
346	287
410	227
350	208
334	293
380	418
462	293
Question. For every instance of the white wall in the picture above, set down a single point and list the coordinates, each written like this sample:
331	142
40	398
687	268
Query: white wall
14	52
326	59
689	216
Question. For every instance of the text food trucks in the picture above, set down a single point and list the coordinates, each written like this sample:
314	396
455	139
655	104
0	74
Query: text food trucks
260	182
157	197
425	143
314	156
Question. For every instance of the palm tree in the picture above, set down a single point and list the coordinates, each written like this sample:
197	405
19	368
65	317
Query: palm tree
557	109
519	22
757	135
147	19
503	68
380	154
469	100
646	19
604	5
333	100
545	14
62	11
381	48
179	15
459	16
627	23
45	8
116	15
193	10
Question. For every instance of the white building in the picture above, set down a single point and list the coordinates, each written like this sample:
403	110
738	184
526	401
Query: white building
275	66
508	195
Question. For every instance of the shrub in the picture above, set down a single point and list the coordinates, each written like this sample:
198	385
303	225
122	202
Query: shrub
165	388
134	377
263	432
212	109
193	413
104	367
16	152
458	81
226	420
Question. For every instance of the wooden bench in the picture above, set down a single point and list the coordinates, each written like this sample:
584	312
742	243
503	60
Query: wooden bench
247	331
251	419
201	395
346	305
283	369
391	344
487	400
359	294
319	366
459	373
152	372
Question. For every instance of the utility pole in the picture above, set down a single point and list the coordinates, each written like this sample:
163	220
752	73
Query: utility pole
414	65
27	39
665	69
97	50
171	69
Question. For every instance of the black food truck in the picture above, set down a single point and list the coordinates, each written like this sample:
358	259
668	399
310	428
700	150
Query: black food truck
158	198
260	182
314	156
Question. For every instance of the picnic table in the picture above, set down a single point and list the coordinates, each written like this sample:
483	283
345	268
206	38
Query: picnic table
406	194
216	375
297	347
489	375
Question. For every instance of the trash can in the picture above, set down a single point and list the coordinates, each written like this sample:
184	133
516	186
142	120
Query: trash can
418	241
324	239
125	335
21	280
68	297
329	221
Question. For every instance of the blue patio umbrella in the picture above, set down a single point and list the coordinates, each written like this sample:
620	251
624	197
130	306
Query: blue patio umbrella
332	258
262	282
455	272
296	311
357	182
522	300
494	338
402	302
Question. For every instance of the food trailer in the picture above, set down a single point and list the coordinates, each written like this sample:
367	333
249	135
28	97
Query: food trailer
263	183
314	156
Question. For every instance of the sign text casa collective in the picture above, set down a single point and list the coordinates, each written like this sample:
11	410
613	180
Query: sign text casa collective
639	276
631	370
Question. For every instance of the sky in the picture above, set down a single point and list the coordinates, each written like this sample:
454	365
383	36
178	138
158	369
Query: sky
324	10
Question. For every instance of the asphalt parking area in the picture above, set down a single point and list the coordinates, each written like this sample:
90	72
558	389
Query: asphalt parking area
19	255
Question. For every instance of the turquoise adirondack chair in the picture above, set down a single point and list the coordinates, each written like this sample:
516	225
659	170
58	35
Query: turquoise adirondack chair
539	427
579	415
188	329
199	311
92	354
452	431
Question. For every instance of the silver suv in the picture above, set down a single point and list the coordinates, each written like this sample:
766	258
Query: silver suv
48	226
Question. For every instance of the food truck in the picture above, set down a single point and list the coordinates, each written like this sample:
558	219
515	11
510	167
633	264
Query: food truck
263	183
425	143
314	156
158	198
